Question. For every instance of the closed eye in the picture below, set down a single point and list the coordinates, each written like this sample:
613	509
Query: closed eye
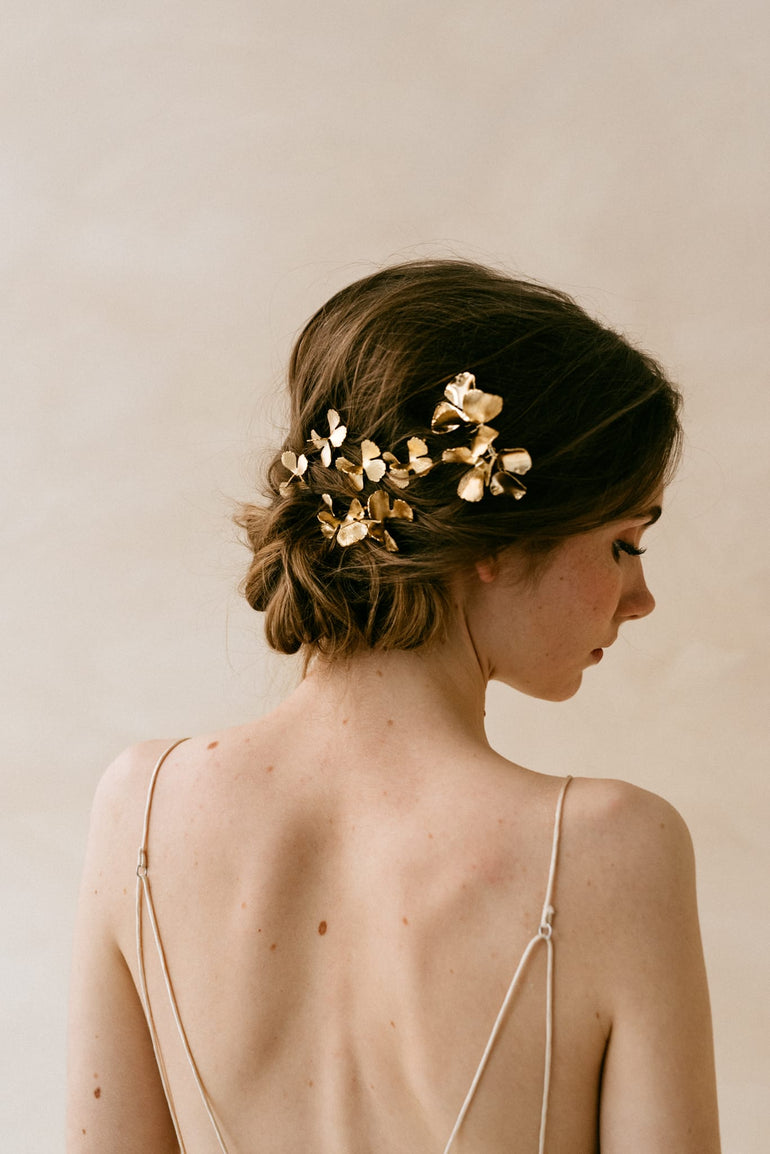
619	547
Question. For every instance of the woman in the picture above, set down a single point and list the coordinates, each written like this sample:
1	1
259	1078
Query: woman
360	929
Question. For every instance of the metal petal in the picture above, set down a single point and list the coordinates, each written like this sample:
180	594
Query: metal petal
401	510
422	465
460	455
482	407
514	460
352	532
329	524
371	462
355	473
378	505
507	484
446	418
472	483
375	470
482	438
457	389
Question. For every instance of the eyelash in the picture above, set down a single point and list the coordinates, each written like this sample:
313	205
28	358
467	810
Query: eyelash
619	547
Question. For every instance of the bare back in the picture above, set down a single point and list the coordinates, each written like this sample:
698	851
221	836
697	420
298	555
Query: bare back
340	935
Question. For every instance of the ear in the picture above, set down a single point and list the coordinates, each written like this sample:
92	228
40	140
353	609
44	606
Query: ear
486	569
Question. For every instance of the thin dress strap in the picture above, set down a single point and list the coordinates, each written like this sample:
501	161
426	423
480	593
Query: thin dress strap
544	934
143	891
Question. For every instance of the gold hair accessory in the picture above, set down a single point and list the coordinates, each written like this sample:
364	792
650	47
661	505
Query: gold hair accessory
355	525
419	463
498	472
297	466
372	465
464	406
337	434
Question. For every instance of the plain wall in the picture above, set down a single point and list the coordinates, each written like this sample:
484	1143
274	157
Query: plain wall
181	184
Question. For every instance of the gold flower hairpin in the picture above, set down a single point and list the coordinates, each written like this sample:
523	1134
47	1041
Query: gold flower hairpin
356	524
498	472
464	405
372	465
419	463
337	434
297	466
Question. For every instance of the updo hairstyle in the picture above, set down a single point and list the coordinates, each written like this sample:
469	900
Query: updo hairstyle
598	418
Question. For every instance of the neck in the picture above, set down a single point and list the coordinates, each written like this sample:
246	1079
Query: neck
377	698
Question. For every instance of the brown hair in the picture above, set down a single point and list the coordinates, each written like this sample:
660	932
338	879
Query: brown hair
598	417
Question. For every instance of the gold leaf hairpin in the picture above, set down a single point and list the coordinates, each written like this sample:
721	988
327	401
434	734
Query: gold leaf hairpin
352	528
356	525
379	510
372	465
498	472
419	463
464	404
297	466
509	465
337	434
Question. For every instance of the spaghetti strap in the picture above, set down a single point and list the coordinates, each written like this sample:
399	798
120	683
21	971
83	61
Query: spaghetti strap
544	934
144	895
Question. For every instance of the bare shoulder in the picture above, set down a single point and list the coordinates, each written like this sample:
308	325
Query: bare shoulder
116	823
631	825
129	772
122	790
633	851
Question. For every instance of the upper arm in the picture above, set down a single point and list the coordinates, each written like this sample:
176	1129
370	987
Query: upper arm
115	1096
658	1086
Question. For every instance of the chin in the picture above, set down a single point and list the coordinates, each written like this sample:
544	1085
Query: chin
562	694
562	691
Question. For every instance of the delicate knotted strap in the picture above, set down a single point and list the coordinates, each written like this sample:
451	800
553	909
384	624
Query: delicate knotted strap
143	890
544	934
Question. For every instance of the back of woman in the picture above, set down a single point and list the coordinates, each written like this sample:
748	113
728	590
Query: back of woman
353	926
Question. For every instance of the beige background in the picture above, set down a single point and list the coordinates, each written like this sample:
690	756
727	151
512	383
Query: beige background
182	183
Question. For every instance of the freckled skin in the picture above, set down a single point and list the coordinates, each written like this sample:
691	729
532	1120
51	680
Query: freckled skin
322	928
212	745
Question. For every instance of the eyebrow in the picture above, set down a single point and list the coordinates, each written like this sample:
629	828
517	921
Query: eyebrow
654	514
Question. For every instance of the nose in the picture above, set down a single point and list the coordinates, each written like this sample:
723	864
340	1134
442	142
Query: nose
637	601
